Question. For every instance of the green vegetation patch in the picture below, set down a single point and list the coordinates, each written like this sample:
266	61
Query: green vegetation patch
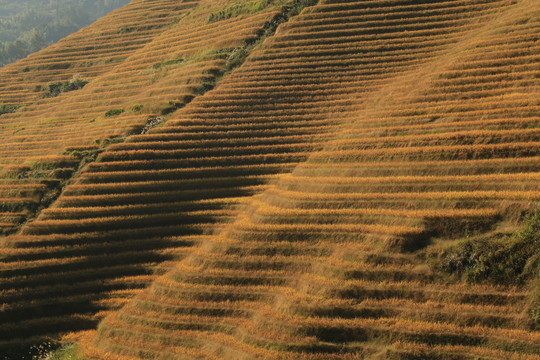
56	88
137	107
250	7
205	86
7	109
67	352
175	105
129	29
114	112
179	18
168	63
506	259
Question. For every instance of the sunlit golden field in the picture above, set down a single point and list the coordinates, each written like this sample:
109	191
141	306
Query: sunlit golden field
276	179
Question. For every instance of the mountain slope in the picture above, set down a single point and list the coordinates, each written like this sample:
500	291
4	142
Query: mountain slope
169	71
288	213
313	268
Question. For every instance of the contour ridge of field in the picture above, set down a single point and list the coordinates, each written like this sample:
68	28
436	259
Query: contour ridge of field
289	212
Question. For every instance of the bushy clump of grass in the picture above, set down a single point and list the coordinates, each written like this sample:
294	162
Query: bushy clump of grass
507	260
7	109
56	88
66	352
137	107
114	112
236	58
173	106
205	86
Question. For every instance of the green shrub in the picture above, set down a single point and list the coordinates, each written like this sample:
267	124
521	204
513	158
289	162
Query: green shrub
67	352
508	259
137	107
236	59
7	109
205	86
56	88
173	106
114	112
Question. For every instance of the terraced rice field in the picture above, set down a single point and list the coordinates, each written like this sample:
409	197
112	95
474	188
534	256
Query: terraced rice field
49	139
288	213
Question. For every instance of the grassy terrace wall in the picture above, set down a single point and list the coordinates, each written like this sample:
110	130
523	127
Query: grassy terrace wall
290	212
